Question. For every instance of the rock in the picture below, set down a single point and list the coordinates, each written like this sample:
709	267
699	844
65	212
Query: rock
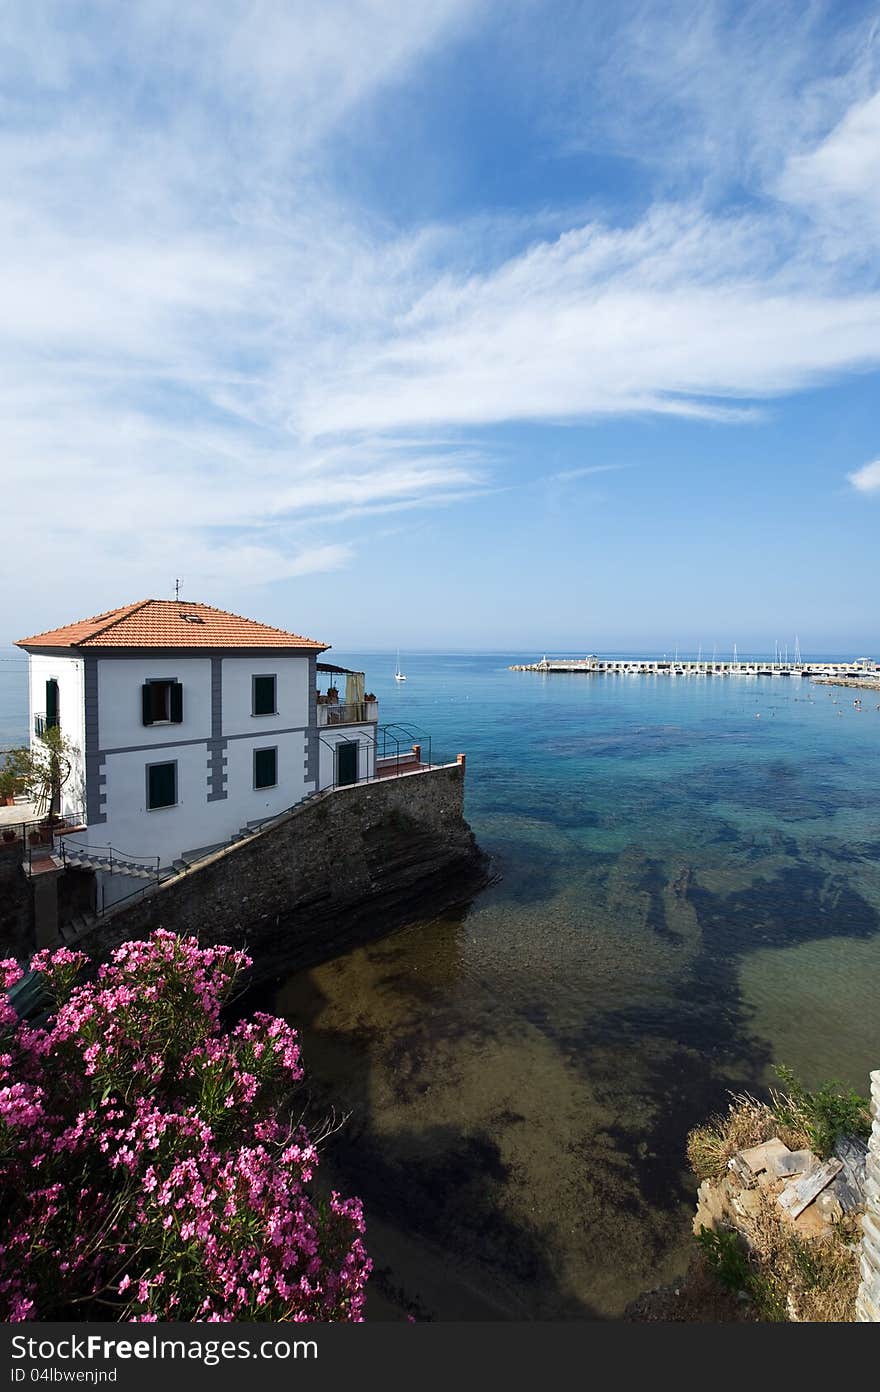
711	1205
748	1202
812	1224
829	1205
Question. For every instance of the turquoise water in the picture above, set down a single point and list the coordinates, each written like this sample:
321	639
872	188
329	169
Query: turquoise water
689	891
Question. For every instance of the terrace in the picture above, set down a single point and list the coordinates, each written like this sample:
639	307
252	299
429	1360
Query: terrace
355	707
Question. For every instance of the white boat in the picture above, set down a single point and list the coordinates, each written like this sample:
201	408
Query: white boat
398	675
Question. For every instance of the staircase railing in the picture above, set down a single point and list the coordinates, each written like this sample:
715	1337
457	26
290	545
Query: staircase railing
124	862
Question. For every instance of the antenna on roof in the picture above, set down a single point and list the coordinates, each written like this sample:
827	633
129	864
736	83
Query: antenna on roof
177	589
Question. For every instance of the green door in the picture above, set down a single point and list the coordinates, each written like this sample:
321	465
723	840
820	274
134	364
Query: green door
346	763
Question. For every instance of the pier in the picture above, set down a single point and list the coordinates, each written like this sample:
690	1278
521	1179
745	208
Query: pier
861	670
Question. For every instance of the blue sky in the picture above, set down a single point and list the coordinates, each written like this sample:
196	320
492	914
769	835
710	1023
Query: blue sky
478	324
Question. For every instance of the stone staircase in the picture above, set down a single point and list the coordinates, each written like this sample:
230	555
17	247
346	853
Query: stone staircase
82	924
79	927
80	858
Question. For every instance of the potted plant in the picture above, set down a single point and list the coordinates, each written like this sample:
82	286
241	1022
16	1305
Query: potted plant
333	695
8	834
9	780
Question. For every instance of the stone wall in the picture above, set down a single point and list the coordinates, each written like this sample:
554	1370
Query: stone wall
338	869
868	1300
16	905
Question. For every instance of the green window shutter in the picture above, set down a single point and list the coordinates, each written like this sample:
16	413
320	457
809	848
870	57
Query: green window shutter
264	696
265	768
162	785
146	704
51	703
176	703
347	763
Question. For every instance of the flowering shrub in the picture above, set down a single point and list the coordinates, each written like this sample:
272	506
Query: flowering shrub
149	1165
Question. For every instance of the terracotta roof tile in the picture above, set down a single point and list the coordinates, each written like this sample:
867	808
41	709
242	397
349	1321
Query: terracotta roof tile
168	623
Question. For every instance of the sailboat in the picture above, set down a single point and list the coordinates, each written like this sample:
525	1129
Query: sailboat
398	675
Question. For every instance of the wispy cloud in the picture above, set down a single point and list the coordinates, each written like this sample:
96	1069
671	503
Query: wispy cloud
567	475
866	479
837	181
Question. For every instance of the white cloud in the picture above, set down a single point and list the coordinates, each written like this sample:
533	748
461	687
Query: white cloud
838	180
866	479
678	315
206	351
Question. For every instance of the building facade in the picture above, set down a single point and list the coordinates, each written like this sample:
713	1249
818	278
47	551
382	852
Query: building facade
189	724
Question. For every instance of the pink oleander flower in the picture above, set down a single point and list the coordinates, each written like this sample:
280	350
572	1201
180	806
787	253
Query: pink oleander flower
149	1156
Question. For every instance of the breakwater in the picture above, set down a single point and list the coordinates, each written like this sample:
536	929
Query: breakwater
862	669
866	683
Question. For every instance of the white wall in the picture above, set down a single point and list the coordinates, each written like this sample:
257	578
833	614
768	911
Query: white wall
133	829
363	735
254	803
68	672
291	692
120	710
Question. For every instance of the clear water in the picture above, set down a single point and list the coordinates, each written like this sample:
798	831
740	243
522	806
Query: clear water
689	891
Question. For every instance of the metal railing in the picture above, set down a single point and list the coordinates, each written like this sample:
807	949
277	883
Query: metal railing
40	833
356	713
116	862
397	743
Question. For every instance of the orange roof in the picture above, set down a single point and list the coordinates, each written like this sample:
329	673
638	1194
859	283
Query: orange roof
168	623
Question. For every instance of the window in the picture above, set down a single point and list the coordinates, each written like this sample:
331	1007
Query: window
263	696
265	768
161	786
162	702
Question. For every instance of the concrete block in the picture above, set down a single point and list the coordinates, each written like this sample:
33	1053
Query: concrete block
792	1162
761	1157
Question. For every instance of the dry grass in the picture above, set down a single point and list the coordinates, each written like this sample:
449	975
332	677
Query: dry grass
811	1281
747	1122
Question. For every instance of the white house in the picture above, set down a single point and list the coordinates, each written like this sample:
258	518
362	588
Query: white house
191	723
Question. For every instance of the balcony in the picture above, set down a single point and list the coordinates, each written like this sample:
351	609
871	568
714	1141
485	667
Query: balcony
352	713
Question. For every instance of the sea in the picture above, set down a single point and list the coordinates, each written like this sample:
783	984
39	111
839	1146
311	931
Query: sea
686	893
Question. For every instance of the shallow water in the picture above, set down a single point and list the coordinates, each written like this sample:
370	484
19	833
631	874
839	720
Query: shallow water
690	891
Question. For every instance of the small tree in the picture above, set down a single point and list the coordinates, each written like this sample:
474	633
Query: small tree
43	770
10	779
